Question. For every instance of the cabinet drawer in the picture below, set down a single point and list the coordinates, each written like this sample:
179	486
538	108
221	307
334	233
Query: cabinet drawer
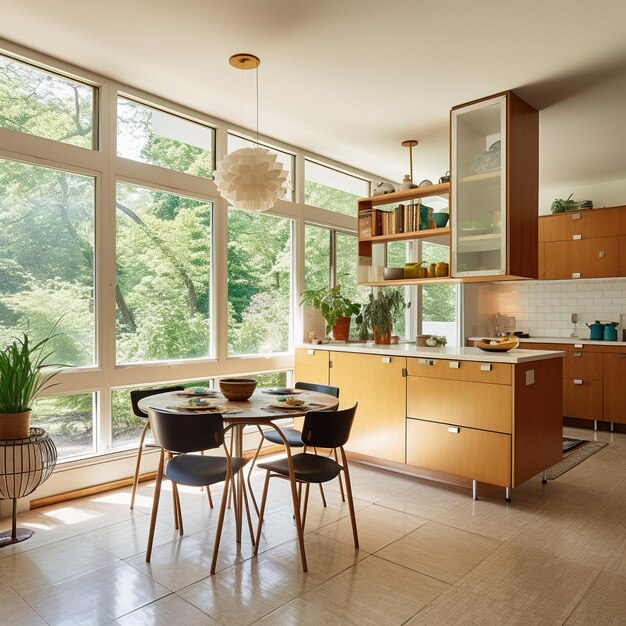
464	403
498	373
474	454
582	398
585	258
583	365
582	224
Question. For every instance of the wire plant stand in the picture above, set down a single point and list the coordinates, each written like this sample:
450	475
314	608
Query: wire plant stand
25	463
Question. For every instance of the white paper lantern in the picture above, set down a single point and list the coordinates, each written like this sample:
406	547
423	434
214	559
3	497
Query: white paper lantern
251	179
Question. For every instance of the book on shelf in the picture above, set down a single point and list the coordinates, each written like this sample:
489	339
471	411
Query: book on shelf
365	222
404	218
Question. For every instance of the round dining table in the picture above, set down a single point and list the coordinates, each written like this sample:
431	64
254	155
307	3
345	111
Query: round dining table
257	411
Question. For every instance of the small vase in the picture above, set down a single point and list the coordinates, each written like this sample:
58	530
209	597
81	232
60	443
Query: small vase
341	329
15	425
382	337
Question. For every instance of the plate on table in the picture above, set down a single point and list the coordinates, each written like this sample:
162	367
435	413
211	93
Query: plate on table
287	406
282	391
196	392
201	405
497	344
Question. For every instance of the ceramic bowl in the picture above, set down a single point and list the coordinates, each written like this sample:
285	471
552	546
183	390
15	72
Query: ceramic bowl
237	388
441	219
393	273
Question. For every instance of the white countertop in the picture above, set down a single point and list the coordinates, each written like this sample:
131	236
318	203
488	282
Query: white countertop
565	340
450	353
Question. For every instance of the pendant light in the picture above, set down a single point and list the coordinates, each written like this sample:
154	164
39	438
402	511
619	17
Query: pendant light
251	179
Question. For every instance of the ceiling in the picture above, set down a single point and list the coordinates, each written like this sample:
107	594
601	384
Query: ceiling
350	79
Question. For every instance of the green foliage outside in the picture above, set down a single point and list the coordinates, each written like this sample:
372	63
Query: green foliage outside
438	300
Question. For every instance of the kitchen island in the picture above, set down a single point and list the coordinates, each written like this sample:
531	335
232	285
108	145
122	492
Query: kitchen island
482	416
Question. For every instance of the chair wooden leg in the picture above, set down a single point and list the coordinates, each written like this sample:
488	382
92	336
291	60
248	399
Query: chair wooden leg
155	505
252	464
209	496
343	497
346	473
246	503
138	465
306	504
261	512
220	522
321	494
178	511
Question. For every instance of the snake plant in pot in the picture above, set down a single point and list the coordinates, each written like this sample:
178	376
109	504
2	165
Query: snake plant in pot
336	309
22	379
381	311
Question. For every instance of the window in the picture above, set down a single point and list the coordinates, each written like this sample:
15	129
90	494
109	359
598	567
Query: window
44	104
397	255
69	420
346	263
330	189
235	142
317	261
153	136
439	300
259	283
163	276
47	259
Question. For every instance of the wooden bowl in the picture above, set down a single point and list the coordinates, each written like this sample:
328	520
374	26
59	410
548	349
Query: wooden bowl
497	344
237	388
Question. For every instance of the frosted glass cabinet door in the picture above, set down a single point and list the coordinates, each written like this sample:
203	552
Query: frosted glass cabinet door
479	188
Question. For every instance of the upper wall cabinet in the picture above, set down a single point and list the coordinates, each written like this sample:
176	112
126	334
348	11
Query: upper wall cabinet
494	192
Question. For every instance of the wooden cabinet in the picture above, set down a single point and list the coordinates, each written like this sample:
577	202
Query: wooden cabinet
497	373
378	384
583	244
614	389
494	193
582	398
311	366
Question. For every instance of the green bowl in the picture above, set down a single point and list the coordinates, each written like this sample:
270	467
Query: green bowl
441	219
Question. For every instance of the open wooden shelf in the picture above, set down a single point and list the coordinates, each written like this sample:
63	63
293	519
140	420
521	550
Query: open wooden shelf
493	177
406	194
432	233
409	281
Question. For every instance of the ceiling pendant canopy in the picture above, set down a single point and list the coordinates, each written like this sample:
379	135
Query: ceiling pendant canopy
251	179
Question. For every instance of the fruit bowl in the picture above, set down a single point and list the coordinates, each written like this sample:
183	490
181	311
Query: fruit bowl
237	388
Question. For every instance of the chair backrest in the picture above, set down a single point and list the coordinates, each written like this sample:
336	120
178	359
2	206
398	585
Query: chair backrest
187	432
328	429
331	391
139	394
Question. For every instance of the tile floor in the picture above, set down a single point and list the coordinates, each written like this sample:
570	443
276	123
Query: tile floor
429	555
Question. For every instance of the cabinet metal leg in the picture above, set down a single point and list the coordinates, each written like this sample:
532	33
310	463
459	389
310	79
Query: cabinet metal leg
544	476
595	424
612	427
474	490
507	494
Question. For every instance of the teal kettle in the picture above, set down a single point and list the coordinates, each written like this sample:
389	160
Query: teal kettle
610	331
597	331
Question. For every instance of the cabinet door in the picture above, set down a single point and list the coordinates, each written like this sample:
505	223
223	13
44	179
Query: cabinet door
614	390
579	224
378	385
467	452
582	398
479	188
583	258
622	256
311	366
581	364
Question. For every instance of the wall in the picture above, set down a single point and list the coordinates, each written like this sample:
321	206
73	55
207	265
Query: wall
544	308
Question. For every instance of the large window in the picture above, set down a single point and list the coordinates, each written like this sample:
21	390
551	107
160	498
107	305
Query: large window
259	283
41	103
235	142
327	188
439	301
317	261
153	136
47	259
163	275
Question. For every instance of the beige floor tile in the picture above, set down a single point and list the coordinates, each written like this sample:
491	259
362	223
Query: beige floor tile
178	564
96	597
54	563
457	606
617	563
440	551
303	614
529	580
604	602
377	527
376	591
14	611
167	611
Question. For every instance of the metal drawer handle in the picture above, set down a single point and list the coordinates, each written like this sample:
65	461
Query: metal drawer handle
454	365
601	254
578	381
575	216
578	353
485	367
454	429
310	352
579	346
386	359
575	274
426	362
577	237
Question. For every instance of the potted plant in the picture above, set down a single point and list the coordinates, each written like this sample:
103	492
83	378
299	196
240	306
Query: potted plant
381	312
336	309
22	379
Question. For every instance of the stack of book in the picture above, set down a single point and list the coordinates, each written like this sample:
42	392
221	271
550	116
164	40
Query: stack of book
405	218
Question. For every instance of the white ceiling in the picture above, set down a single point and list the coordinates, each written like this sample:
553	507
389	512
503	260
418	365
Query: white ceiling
350	79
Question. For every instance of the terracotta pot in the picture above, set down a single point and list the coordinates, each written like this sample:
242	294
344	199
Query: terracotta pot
341	329
15	425
382	337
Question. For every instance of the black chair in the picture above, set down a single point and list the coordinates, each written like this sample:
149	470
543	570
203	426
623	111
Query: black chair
178	435
294	439
322	429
